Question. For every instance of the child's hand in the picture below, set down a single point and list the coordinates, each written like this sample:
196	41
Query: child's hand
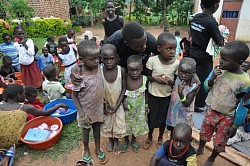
125	105
181	86
107	109
217	71
23	41
161	79
195	79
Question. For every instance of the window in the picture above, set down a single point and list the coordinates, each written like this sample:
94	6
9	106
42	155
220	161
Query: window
230	14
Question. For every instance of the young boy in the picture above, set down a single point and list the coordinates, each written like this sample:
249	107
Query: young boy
224	82
6	69
46	57
178	150
51	86
114	81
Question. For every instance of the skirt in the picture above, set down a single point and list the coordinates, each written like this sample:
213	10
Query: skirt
158	107
31	75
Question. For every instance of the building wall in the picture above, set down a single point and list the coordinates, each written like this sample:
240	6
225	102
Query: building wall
47	8
242	32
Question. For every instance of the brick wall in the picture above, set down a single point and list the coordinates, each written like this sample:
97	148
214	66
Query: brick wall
47	8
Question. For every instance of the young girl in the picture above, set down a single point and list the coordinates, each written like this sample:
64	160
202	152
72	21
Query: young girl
30	72
114	81
112	22
135	103
88	98
71	40
66	57
161	74
181	105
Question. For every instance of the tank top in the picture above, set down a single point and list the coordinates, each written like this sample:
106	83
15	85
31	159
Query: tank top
112	90
111	27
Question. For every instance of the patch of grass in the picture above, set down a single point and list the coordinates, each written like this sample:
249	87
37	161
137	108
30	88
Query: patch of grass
39	42
70	139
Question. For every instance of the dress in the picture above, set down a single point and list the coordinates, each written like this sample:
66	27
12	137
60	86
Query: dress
91	95
114	125
11	126
69	61
177	112
136	116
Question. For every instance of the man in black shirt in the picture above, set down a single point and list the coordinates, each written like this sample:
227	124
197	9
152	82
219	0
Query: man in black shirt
133	40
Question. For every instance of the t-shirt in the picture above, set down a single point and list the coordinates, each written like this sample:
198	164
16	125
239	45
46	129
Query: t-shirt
125	51
54	90
202	28
47	60
154	64
189	158
9	50
26	57
222	96
111	27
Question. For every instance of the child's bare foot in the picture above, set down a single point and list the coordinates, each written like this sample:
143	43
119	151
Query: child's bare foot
110	146
117	147
147	144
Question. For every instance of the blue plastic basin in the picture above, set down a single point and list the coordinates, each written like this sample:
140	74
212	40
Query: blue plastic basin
67	117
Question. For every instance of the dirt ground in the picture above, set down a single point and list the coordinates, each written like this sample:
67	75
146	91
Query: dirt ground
130	158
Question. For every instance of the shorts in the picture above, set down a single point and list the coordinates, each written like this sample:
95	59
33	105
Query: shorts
218	123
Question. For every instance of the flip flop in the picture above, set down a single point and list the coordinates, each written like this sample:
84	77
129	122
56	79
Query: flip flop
86	161
11	153
136	147
101	157
2	153
159	144
147	144
124	147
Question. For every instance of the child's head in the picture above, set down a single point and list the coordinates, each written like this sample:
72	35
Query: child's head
51	39
181	137
45	51
63	44
89	53
7	62
134	36
177	32
30	93
210	4
166	45
50	72
109	56
71	33
186	69
110	7
19	32
166	28
245	66
15	92
36	49
233	55
134	65
6	38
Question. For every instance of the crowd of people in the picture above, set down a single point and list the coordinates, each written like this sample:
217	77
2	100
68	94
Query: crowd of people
130	85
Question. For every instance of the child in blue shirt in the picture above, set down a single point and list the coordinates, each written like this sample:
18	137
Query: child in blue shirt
38	59
46	57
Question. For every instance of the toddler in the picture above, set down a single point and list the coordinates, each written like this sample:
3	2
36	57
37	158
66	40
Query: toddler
88	95
114	81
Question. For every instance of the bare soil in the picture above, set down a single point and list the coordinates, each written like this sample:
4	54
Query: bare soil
130	158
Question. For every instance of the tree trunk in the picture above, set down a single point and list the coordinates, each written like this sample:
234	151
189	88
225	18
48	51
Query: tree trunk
164	19
129	12
91	14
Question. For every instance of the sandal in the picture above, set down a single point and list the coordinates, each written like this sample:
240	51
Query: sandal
159	144
136	147
86	161
124	147
2	153
102	159
147	144
11	153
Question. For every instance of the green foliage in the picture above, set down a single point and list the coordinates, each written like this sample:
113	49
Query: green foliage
19	9
4	30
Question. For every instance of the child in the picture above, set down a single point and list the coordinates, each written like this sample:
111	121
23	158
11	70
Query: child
185	45
224	82
112	22
30	72
181	106
114	81
51	86
38	59
178	39
135	103
161	74
66	57
88	95
245	66
7	49
52	47
31	98
6	69
178	150
71	40
46	57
